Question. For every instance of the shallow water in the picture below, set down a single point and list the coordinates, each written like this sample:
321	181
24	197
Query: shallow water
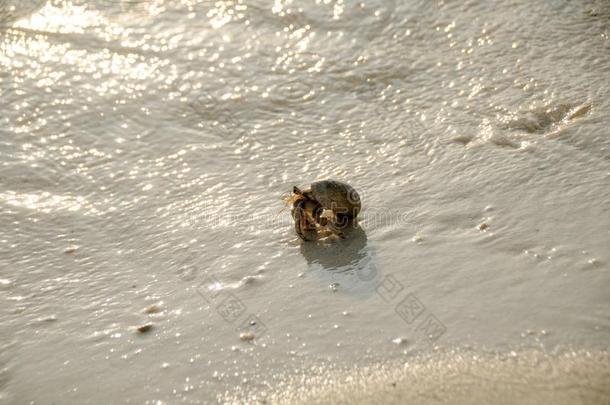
145	145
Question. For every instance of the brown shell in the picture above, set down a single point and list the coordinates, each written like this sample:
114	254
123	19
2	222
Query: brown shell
337	196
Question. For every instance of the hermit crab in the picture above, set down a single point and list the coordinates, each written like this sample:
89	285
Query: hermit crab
327	207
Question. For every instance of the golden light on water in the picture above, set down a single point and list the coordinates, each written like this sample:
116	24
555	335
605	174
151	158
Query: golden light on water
146	145
67	19
47	202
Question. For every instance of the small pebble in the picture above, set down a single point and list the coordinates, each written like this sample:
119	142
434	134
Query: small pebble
399	341
70	249
483	226
249	280
153	309
463	139
145	328
246	336
579	111
334	287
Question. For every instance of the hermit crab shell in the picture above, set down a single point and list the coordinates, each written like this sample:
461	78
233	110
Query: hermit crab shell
337	196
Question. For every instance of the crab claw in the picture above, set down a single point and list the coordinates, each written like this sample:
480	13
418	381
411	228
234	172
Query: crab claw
304	223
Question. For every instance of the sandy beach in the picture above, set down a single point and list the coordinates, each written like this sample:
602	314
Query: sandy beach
147	257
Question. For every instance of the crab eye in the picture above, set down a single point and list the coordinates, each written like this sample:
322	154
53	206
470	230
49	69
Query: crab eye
317	212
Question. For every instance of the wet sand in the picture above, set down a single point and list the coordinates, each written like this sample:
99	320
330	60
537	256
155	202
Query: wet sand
145	147
456	377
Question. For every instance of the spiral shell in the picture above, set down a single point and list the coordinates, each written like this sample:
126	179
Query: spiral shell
341	199
337	196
